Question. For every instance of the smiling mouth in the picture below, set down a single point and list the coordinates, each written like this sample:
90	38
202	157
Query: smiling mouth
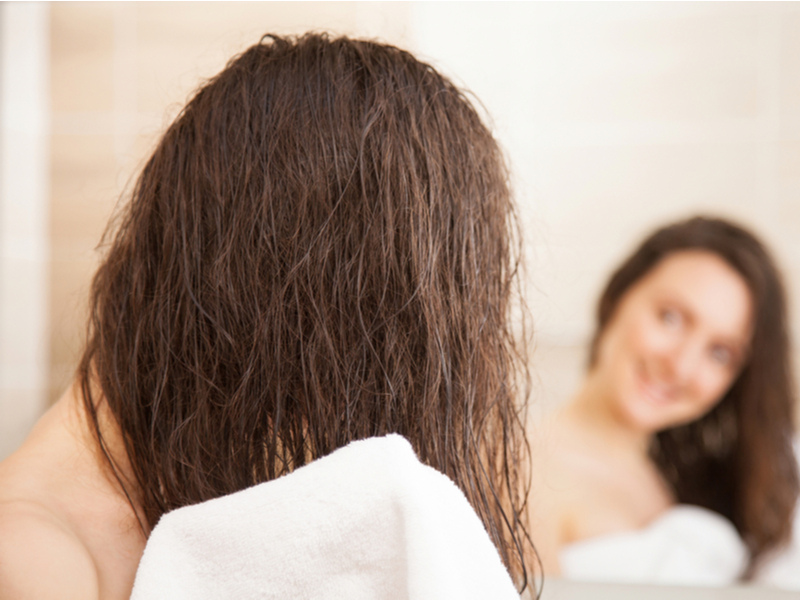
656	392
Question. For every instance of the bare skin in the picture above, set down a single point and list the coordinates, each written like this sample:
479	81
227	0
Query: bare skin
586	487
66	527
674	345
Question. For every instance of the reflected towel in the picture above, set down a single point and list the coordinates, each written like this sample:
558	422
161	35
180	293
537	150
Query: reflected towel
687	545
367	521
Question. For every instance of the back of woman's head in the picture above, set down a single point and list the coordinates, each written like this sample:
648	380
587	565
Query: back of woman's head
319	250
737	459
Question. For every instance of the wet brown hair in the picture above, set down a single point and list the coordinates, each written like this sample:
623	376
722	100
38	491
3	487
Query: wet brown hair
736	460
322	248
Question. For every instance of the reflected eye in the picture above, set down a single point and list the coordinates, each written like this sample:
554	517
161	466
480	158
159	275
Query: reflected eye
722	355
671	317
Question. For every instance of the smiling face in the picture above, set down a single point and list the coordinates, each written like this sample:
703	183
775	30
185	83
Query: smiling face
676	342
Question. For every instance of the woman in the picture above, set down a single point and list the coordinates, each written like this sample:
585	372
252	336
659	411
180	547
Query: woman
688	400
318	251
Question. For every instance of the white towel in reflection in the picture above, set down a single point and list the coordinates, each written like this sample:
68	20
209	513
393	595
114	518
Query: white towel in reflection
687	545
368	521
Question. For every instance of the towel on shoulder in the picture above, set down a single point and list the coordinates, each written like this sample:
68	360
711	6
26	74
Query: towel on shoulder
368	521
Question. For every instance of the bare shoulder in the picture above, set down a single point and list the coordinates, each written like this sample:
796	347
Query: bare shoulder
556	460
555	485
40	558
65	529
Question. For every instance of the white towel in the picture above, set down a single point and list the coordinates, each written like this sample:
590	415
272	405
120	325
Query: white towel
368	521
686	545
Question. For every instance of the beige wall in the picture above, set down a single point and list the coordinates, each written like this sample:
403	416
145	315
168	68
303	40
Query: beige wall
615	118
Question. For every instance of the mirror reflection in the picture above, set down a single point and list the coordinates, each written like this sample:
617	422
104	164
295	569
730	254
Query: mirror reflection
674	462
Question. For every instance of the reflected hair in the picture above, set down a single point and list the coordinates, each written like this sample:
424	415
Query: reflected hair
737	459
322	248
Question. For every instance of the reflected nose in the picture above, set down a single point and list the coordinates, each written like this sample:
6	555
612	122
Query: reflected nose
682	361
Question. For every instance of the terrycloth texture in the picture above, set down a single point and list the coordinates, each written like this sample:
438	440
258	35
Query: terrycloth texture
687	545
366	522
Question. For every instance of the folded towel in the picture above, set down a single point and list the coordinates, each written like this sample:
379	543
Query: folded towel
368	521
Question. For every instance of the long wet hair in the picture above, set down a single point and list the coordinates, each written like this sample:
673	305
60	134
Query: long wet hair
322	248
736	460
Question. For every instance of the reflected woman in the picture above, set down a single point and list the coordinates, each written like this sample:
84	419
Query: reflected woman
680	436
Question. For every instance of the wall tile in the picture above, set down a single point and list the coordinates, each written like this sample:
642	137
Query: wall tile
82	46
83	189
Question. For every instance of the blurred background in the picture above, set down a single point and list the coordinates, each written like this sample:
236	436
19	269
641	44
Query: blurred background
615	117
